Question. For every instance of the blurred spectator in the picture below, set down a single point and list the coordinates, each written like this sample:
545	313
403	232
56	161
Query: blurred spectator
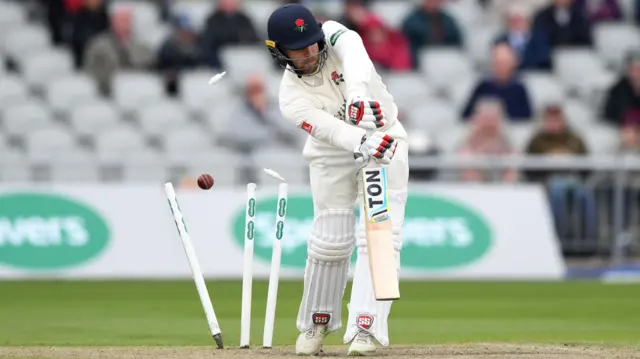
430	25
565	187
565	24
116	49
257	121
497	9
387	47
90	21
503	83
623	99
182	50
630	139
487	138
530	45
228	25
57	18
555	137
638	12
355	14
599	10
629	145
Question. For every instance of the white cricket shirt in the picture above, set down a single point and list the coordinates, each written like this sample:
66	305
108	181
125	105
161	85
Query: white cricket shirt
317	103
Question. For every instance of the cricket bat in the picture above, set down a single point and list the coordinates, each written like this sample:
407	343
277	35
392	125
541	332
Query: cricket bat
382	258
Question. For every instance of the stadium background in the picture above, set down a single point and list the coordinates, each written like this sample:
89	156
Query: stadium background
103	101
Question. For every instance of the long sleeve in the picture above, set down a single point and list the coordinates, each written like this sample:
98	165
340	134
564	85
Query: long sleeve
349	47
322	126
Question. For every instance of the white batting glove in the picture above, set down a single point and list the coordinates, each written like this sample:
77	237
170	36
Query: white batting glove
365	113
379	146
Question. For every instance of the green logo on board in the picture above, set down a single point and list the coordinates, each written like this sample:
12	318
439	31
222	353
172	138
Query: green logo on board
438	233
45	231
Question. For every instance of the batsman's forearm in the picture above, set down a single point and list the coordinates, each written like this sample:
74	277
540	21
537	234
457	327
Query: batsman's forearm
327	128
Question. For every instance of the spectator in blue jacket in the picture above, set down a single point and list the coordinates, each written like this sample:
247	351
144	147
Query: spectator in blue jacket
503	84
430	25
530	45
565	24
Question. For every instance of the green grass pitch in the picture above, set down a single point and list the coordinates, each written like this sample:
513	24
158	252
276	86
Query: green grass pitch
167	313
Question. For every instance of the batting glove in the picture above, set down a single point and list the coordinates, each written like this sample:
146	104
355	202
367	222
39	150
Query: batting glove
379	146
366	113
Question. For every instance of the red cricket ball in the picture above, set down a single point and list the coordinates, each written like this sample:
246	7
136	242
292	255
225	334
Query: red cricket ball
205	181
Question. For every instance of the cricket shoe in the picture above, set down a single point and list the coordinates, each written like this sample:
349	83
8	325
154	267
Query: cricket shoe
310	342
362	345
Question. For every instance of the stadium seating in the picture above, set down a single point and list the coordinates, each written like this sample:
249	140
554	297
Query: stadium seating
57	126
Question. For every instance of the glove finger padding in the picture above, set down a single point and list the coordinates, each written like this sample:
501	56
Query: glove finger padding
366	114
380	146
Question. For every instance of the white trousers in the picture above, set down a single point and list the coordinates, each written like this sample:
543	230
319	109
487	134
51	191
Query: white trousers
335	185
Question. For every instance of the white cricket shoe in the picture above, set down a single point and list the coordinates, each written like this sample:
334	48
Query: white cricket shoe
310	342
362	345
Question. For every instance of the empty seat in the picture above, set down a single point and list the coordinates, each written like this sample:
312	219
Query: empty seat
198	95
578	114
26	116
595	88
614	40
163	117
188	138
243	60
70	91
196	11
542	88
286	161
520	134
450	140
628	8
3	70
460	91
13	90
154	36
145	14
14	166
272	82
392	12
44	66
333	10
94	117
433	115
11	15
133	89
145	166
478	46
468	14
443	66
600	139
259	12
74	166
26	40
45	143
116	144
218	117
408	89
571	65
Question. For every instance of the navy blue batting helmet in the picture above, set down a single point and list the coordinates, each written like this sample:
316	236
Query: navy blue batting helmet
293	27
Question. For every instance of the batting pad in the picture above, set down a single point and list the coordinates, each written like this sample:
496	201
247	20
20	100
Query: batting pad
365	312
325	277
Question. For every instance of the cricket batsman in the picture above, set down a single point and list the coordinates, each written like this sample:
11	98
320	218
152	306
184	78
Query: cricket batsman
331	90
